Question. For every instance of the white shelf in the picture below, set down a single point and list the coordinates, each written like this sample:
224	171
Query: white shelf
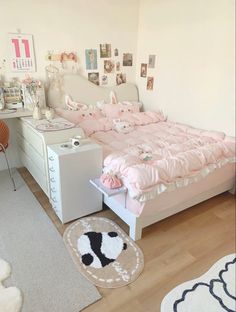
20	112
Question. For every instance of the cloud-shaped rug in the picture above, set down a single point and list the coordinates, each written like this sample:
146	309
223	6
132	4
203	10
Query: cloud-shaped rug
212	292
10	298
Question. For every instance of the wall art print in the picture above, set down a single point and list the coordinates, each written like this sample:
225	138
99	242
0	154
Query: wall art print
109	67
120	78
150	82
91	59
127	59
151	61
21	53
105	50
94	78
143	70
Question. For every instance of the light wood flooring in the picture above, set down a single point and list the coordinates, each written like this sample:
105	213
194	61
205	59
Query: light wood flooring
177	249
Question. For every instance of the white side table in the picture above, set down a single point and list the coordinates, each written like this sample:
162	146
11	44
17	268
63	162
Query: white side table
70	169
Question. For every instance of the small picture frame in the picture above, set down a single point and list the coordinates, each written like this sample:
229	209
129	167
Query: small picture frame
94	78
127	59
143	70
105	50
150	83
151	61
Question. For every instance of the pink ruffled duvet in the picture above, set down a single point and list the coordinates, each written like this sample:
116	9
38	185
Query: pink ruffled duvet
159	155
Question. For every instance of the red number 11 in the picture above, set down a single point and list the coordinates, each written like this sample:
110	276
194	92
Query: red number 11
17	47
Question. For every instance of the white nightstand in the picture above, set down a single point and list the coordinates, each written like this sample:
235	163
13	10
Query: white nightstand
70	169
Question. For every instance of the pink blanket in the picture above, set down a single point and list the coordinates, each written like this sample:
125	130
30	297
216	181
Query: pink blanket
159	155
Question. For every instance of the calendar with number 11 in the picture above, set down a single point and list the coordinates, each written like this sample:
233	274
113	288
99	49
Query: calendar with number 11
22	57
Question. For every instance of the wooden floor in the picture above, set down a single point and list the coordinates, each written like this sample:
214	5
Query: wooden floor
177	249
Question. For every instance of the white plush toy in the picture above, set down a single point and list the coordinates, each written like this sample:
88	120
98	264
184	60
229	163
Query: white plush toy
10	298
122	126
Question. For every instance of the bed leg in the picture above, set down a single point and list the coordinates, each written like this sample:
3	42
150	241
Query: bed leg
135	230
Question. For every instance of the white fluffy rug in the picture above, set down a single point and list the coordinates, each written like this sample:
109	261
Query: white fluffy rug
10	298
212	292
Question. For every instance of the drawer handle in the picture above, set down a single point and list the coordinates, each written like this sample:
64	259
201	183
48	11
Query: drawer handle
54	200
53	189
52	180
51	158
52	169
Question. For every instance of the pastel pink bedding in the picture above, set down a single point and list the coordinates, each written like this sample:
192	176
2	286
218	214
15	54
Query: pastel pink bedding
159	155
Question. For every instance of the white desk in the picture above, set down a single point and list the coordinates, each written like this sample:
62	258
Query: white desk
21	112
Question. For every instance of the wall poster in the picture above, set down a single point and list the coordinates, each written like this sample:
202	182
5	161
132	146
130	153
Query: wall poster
21	56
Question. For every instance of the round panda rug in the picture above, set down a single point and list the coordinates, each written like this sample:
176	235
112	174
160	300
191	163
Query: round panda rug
103	252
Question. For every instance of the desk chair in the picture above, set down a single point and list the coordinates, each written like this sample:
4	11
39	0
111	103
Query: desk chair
4	139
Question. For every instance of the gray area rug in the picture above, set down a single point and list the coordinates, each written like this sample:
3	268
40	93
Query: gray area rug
41	266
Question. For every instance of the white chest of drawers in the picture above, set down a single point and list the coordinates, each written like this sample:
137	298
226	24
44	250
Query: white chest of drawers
32	146
71	194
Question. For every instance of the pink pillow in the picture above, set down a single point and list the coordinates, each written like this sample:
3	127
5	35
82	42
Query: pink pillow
79	115
119	110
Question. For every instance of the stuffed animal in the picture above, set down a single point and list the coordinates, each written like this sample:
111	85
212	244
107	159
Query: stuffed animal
99	249
10	298
72	105
122	126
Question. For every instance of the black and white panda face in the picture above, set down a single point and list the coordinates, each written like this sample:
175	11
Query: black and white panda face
98	249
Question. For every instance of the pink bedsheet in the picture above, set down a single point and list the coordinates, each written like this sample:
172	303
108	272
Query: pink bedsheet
160	155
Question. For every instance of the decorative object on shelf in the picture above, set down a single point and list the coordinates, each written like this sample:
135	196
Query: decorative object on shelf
33	93
12	95
151	61
127	59
22	57
37	114
105	50
49	113
2	101
91	59
110	180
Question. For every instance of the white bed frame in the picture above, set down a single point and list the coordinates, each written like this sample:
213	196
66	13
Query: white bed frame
80	89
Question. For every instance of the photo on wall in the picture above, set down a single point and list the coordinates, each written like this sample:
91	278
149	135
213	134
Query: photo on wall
109	67
150	82
104	80
116	52
127	59
117	66
143	70
91	59
94	78
120	78
105	50
151	61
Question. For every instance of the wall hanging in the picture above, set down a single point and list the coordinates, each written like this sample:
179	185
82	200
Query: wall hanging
21	53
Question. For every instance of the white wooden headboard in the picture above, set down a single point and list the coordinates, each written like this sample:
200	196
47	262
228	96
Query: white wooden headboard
82	90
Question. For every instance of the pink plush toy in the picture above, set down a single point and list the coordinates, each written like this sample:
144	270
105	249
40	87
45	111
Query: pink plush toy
110	180
122	126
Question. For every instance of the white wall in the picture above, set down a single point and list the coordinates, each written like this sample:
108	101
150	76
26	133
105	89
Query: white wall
194	76
70	25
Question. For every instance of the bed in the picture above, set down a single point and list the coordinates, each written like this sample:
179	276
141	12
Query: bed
163	194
